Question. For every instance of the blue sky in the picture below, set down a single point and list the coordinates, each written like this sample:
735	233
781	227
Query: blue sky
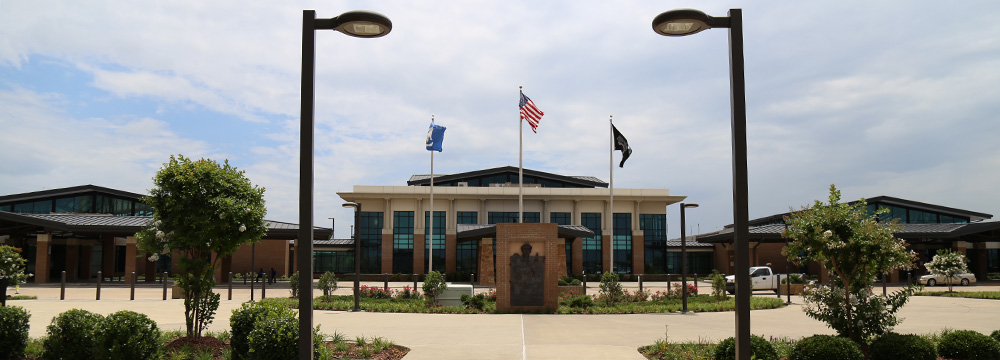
893	98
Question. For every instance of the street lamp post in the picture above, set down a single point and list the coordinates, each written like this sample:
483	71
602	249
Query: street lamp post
357	254
682	22
364	24
684	271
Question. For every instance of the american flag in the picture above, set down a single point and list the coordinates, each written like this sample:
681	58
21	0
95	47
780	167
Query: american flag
530	112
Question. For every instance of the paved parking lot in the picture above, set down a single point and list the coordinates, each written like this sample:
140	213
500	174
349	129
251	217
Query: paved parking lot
516	336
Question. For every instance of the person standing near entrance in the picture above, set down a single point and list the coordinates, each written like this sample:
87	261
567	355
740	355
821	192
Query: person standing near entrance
274	276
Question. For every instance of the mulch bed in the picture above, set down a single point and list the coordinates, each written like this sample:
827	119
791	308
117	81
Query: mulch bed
216	346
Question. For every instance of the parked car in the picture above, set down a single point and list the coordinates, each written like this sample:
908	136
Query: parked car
761	278
960	279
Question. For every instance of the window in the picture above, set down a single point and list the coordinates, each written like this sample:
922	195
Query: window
371	242
467	252
498	217
66	205
654	228
402	242
439	233
467	217
592	245
333	261
622	243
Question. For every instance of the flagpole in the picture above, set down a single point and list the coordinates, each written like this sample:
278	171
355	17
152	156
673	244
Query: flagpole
611	202
520	166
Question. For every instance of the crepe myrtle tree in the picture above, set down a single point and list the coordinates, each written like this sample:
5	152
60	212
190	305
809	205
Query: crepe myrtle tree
203	211
856	249
11	270
948	263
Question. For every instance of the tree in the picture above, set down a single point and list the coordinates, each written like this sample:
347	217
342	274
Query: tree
948	263
856	249
202	212
11	270
434	285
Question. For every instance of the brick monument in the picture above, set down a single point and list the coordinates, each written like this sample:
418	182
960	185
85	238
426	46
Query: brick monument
530	258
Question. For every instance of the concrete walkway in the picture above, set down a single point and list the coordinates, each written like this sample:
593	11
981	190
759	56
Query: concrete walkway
515	336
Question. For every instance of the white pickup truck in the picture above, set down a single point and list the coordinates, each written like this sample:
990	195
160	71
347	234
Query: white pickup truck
761	277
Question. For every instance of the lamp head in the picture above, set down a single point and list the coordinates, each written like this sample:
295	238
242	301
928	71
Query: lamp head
363	24
689	205
350	205
682	22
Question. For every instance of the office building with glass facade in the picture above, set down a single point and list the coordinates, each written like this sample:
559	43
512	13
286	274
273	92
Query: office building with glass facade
926	227
396	220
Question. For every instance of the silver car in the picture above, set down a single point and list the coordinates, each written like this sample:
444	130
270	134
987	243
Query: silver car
932	280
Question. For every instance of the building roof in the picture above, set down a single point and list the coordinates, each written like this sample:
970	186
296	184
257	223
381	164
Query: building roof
103	223
73	190
479	231
582	181
971	232
889	200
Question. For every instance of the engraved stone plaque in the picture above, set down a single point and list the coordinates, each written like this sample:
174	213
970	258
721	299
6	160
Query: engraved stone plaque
527	278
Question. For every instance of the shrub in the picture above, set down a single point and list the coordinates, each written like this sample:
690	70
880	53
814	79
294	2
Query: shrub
434	285
892	346
569	281
611	289
408	293
243	320
760	349
328	283
293	284
582	302
995	335
71	335
374	292
968	344
637	296
719	286
126	335
13	331
477	301
826	347
796	279
274	336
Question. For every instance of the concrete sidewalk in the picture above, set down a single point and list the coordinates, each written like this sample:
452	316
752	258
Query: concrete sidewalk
515	336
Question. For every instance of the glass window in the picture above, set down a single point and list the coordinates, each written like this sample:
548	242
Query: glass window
371	242
6	208
654	229
66	205
439	233
622	242
561	218
402	242
592	263
498	217
467	217
84	204
24	208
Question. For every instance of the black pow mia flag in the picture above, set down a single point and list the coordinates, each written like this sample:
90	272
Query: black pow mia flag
621	144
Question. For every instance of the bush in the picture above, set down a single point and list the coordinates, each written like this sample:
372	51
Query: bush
327	283
968	344
293	284
611	289
243	320
995	335
826	347
719	286
892	346
71	335
408	293
582	302
434	285
477	301
274	336
796	279
760	349
126	335
569	281
13	331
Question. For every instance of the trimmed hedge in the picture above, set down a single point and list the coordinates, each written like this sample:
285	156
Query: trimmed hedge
760	349
892	346
826	347
13	331
126	335
969	345
70	336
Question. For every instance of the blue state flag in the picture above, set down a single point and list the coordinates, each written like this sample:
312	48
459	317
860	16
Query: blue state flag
435	136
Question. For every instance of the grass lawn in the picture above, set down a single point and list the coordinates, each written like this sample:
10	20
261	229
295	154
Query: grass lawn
992	295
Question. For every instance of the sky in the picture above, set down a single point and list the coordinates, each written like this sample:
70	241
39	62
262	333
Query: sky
894	97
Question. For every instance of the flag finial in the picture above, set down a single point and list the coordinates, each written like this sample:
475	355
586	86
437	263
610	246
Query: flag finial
519	87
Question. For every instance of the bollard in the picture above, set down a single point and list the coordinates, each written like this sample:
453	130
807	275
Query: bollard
778	290
230	285
669	279
132	286
585	283
883	284
788	289
386	284
164	279
695	284
100	278
472	279
640	282
62	287
263	290
414	281
909	277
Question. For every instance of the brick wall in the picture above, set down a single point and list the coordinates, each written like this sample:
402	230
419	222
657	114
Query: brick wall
543	238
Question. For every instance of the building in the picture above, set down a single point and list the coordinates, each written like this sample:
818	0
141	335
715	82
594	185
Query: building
394	224
86	229
926	227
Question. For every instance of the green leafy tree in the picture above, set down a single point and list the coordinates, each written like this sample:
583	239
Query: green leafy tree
855	248
434	285
11	269
203	212
611	288
948	263
327	283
